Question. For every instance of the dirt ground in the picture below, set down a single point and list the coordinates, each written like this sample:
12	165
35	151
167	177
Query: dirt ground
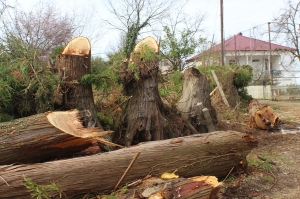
273	169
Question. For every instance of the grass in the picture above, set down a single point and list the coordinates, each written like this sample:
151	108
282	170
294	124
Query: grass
227	115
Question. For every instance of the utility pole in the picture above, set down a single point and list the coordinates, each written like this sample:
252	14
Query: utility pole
222	39
270	49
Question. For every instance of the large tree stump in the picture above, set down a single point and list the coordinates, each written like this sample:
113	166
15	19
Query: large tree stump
195	97
72	64
142	118
45	136
213	154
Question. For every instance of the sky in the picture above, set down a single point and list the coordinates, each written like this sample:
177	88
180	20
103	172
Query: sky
238	16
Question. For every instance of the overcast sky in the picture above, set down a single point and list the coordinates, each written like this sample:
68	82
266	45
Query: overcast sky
239	16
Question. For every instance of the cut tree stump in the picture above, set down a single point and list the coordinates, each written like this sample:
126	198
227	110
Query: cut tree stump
45	136
143	118
194	104
72	64
213	154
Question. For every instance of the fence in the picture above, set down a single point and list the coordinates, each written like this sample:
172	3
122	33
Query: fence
274	92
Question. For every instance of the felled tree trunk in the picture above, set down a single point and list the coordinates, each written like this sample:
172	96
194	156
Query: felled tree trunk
45	136
72	64
142	119
262	116
195	97
199	187
213	154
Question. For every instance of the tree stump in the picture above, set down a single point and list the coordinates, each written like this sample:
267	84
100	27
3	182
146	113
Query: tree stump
72	64
142	119
194	99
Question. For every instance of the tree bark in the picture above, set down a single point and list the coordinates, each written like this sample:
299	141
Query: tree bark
199	187
212	154
43	137
72	65
142	118
195	97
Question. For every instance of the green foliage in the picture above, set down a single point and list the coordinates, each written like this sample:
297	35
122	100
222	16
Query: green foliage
26	86
103	76
243	76
171	86
146	55
175	49
243	93
226	115
42	191
56	51
132	35
115	195
106	117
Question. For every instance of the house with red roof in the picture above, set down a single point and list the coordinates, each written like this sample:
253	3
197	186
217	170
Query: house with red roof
241	50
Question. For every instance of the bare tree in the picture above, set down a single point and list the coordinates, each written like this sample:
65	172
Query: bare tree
182	37
287	25
131	16
43	28
3	7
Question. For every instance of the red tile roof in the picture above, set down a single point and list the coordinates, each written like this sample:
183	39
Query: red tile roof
241	43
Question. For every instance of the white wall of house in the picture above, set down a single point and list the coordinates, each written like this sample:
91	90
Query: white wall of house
260	92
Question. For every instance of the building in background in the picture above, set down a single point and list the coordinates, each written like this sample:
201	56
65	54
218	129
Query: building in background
240	50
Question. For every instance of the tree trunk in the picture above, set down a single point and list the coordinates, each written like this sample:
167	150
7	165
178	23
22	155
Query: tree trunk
72	65
262	116
43	137
195	97
212	154
142	119
199	187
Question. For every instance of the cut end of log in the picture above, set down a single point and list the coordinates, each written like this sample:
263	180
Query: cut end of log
78	46
262	115
148	41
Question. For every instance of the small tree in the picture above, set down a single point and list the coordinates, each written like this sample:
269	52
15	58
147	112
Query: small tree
181	38
176	50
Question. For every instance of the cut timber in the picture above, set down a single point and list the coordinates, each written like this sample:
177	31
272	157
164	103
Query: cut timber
44	137
213	154
199	187
262	115
194	99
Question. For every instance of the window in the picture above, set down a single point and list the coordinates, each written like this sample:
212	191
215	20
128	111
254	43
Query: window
231	61
255	60
266	64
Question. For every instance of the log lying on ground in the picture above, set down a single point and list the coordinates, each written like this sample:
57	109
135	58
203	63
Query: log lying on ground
212	154
45	136
262	116
199	187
